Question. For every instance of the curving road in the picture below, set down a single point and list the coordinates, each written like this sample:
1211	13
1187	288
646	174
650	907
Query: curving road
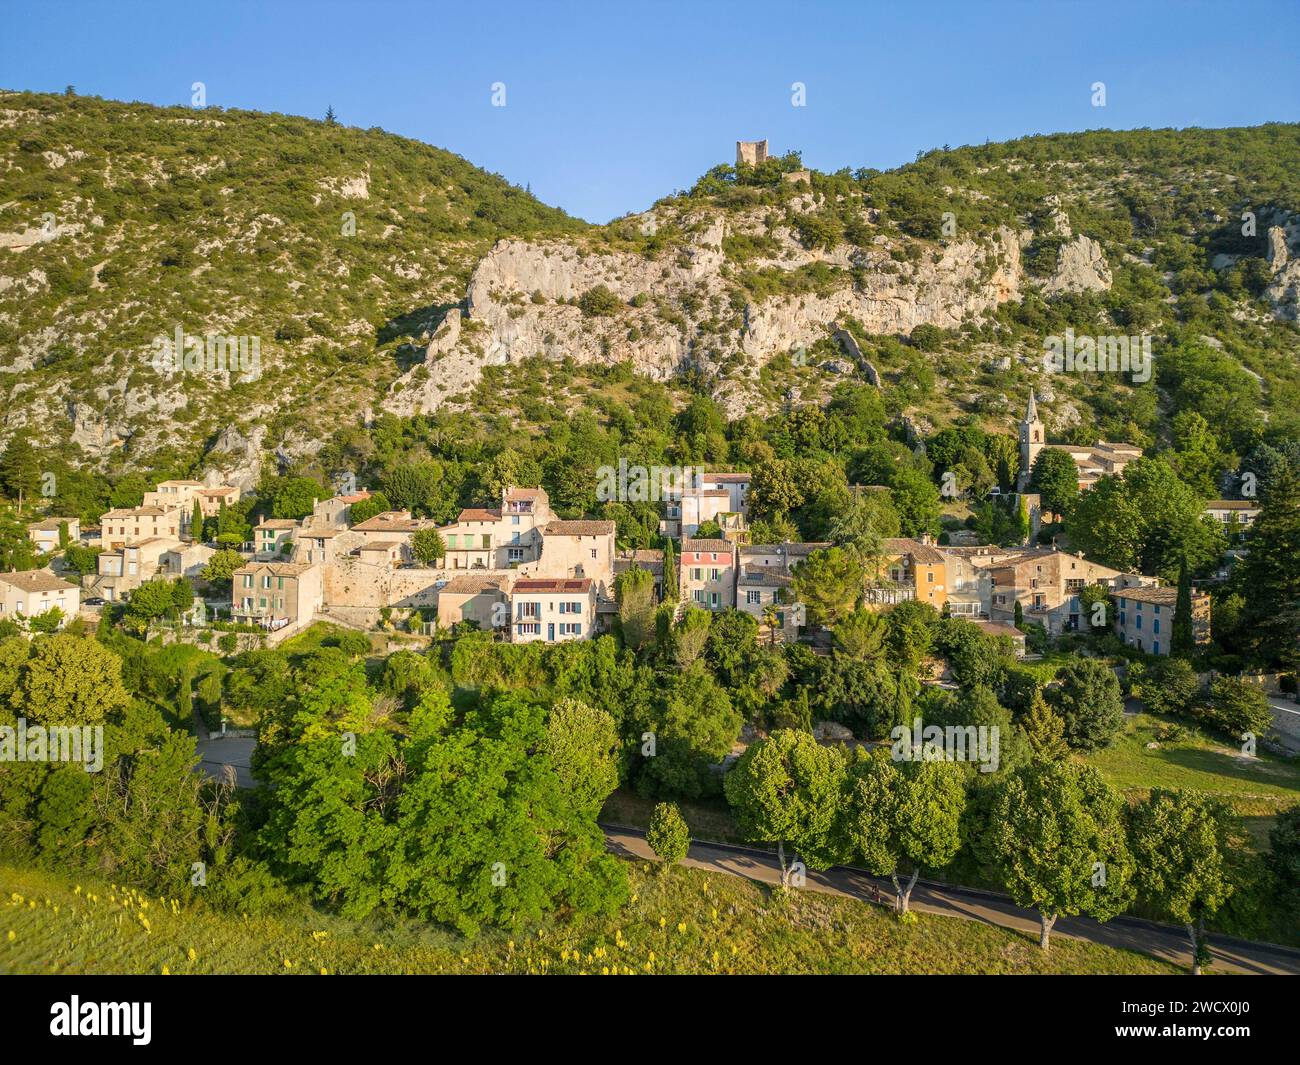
1124	933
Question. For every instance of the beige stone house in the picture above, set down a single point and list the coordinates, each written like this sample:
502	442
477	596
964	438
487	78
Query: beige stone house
576	549
1144	617
334	513
482	599
122	569
185	560
29	593
276	594
44	534
272	536
1047	583
381	552
553	611
394	525
499	537
131	525
762	578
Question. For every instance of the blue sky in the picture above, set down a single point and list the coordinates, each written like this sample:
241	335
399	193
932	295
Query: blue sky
611	105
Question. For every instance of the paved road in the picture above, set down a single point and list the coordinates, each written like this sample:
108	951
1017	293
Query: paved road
1286	722
1124	933
220	755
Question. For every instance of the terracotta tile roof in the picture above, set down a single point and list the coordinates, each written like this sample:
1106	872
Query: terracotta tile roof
277	523
470	584
279	569
578	528
1000	628
1160	596
763	577
524	493
566	584
720	546
904	545
479	514
726	478
50	524
35	580
805	548
392	520
138	512
1231	504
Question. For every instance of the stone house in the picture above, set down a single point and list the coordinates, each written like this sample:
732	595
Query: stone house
275	594
1144	617
131	525
44	534
32	592
708	573
553	611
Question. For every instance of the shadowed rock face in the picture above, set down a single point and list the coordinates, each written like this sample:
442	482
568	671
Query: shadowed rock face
523	298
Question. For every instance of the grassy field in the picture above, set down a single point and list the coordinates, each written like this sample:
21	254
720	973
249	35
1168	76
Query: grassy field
686	921
1256	788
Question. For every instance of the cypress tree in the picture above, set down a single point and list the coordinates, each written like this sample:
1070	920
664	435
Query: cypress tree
1183	641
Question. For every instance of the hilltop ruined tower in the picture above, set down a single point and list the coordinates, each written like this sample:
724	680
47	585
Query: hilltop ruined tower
751	152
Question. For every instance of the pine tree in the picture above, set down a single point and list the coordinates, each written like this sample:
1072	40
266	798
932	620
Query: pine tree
1045	730
1183	640
20	469
330	120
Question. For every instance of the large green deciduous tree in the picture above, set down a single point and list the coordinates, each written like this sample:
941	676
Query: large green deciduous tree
899	818
786	789
1181	840
1057	833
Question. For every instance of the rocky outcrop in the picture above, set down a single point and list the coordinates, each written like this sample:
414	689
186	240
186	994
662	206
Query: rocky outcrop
237	458
1283	291
1080	267
524	299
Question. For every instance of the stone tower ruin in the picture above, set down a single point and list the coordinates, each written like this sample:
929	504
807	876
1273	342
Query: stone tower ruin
751	152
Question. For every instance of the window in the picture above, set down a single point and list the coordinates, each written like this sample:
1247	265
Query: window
1155	625
248	580
487	540
697	574
279	583
698	595
713	574
515	554
515	521
1155	647
451	539
593	552
754	597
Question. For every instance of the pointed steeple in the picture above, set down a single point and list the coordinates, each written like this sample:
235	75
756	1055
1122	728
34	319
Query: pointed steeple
1031	412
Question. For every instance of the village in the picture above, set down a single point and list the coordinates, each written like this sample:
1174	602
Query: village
513	566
